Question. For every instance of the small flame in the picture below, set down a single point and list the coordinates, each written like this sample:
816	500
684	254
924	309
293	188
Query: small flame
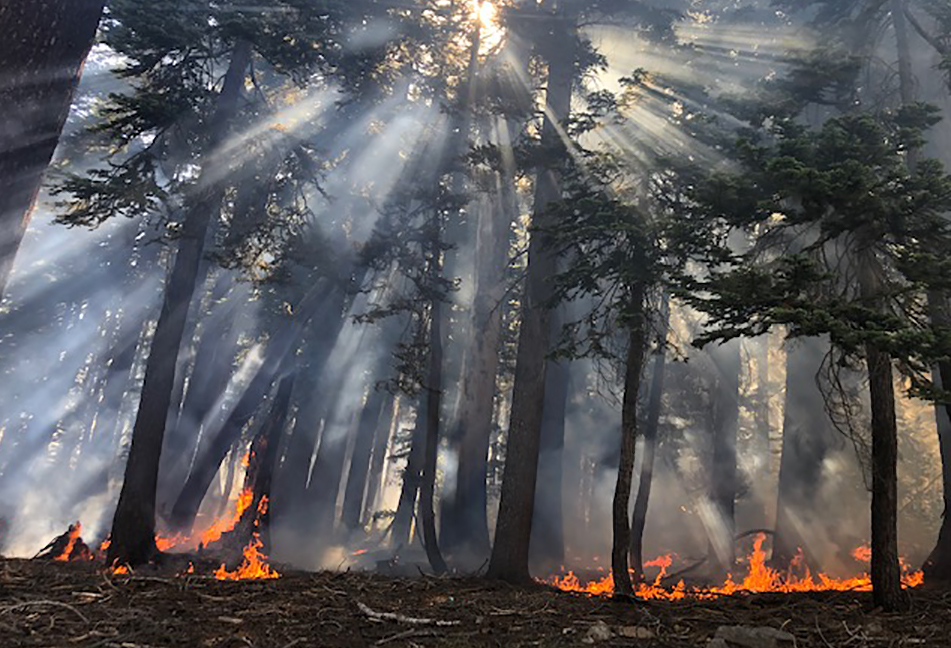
120	570
253	567
104	547
759	578
863	554
74	532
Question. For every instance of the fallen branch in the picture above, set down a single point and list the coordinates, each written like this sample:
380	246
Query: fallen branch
399	618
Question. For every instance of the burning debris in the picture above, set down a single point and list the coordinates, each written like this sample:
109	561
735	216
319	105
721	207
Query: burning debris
67	547
253	567
759	578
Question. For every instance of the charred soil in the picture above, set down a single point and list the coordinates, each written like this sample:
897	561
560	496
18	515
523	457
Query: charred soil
48	603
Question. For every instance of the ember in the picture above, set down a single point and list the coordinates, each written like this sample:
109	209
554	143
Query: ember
253	567
759	578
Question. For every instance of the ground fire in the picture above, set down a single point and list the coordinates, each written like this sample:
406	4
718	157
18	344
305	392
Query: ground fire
759	578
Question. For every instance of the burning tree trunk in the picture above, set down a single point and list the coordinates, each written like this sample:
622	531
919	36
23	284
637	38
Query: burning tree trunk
41	57
133	528
509	559
885	569
258	478
806	441
625	474
723	480
283	340
651	425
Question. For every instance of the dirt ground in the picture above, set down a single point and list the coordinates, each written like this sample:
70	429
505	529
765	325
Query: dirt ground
47	604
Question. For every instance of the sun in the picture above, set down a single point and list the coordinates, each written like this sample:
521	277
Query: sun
487	13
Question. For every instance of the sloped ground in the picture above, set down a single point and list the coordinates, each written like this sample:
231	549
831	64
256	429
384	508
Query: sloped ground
47	604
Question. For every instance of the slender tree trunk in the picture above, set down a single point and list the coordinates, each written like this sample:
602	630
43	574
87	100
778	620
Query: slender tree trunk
651	425
434	380
885	569
371	420
806	441
133	528
509	559
625	473
723	478
283	340
403	521
41	58
388	422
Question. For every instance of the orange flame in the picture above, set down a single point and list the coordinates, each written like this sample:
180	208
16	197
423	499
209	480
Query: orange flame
119	570
221	527
759	578
863	554
253	567
74	532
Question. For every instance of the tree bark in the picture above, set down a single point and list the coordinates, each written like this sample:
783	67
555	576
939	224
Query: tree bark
434	390
45	45
625	473
547	549
651	425
133	528
723	477
509	558
403	520
466	521
885	569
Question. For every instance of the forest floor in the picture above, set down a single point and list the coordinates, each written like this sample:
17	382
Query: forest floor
48	604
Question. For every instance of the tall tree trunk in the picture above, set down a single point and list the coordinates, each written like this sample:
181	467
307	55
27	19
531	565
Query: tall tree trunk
651	425
133	528
625	472
509	558
388	421
403	521
371	420
547	548
465	521
433	400
807	435
41	58
723	477
937	567
283	341
885	569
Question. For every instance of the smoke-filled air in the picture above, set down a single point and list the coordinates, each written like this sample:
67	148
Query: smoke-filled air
443	323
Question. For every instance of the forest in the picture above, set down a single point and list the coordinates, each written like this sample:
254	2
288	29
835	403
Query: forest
475	323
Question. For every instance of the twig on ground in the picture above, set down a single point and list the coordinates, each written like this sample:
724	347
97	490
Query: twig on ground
399	618
26	604
404	635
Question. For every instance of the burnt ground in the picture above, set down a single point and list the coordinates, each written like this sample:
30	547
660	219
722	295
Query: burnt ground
47	604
